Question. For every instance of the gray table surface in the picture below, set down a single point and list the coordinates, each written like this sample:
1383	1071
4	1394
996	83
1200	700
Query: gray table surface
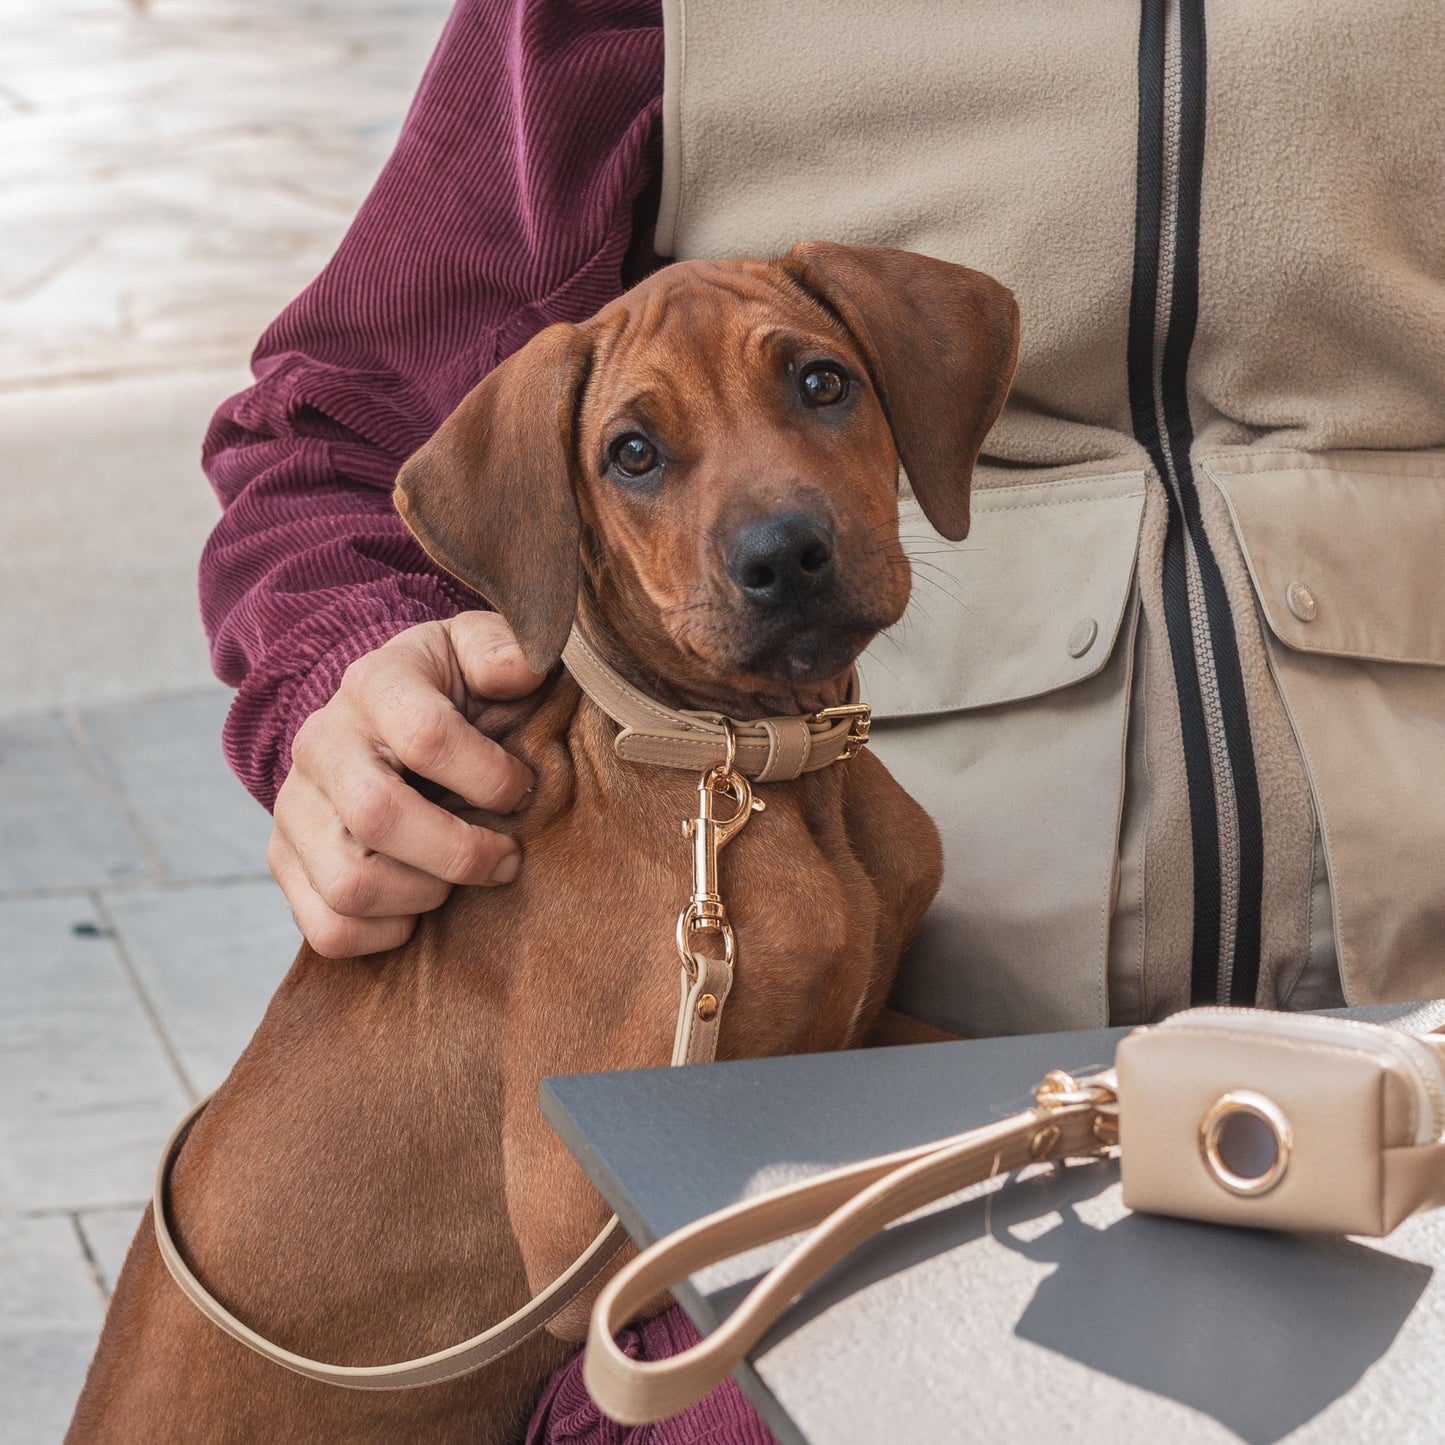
1030	1309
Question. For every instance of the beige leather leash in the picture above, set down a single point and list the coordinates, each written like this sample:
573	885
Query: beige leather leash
431	1369
847	1206
695	1042
770	749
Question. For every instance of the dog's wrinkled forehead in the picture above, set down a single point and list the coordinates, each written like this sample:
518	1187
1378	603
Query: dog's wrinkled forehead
704	336
739	295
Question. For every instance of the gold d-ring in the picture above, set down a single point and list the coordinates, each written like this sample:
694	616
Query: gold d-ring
730	739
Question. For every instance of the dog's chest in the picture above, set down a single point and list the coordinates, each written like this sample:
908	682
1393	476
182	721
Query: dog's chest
613	873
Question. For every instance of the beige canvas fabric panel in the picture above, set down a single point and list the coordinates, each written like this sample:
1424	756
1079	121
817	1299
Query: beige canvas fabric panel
1018	937
1031	602
1344	553
1010	673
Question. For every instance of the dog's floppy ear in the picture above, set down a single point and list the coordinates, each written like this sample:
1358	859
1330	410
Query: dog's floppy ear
490	495
941	342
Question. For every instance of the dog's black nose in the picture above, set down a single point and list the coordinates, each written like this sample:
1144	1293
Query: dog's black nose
782	559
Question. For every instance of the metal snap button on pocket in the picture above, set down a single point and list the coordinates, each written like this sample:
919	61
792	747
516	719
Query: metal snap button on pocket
1081	639
1302	602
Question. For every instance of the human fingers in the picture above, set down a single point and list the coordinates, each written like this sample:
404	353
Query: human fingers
352	880
380	811
405	714
329	933
489	657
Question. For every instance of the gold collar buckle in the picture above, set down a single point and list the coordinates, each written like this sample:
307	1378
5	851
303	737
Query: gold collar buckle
862	720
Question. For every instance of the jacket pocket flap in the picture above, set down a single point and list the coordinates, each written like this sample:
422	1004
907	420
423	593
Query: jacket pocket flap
1345	550
1030	602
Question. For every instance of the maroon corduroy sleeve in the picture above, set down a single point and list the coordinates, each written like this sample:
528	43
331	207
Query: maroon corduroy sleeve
567	1415
519	194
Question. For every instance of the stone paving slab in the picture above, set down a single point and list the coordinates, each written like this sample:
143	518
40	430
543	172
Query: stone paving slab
52	1309
90	1094
165	755
112	997
209	958
103	514
59	826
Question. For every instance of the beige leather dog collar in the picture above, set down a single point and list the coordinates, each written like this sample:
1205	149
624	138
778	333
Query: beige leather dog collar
768	750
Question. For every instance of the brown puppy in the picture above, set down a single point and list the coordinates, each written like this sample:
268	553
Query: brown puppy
706	475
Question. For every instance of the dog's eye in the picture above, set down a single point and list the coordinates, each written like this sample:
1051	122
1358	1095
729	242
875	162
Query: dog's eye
633	455
824	383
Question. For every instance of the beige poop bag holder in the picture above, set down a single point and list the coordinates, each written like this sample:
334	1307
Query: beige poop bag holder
1234	1116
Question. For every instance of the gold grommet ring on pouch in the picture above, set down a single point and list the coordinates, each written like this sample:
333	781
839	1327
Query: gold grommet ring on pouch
1246	1143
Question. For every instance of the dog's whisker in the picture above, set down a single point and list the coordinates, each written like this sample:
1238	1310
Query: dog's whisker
943	584
876	661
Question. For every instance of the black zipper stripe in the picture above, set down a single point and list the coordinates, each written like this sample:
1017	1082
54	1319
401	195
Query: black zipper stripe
1243	949
1144	297
1144	301
1198	771
1170	455
1229	669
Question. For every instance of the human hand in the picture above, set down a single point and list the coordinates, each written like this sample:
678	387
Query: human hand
359	852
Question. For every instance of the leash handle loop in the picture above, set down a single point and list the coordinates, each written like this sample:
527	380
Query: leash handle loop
843	1208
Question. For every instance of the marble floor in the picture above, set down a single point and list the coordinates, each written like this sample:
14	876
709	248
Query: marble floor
171	173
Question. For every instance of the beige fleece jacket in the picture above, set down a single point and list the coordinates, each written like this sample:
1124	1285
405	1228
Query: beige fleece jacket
1178	702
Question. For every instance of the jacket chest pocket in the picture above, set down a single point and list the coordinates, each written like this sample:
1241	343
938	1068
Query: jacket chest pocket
1001	703
1344	552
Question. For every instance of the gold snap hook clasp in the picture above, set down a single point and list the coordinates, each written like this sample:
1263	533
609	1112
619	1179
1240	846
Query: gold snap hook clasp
711	831
1060	1093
